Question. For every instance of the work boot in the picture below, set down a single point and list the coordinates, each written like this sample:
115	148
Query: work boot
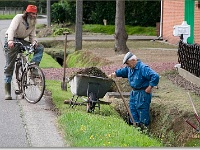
144	128
137	126
8	91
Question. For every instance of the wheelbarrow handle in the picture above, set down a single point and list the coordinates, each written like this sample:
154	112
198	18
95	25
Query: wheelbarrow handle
197	117
126	105
192	125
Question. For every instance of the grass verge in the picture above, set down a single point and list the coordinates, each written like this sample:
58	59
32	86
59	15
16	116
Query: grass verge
49	62
85	59
110	29
102	128
5	17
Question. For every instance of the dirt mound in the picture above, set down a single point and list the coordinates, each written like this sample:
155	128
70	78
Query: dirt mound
91	71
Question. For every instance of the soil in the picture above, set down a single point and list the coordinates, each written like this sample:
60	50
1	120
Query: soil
154	58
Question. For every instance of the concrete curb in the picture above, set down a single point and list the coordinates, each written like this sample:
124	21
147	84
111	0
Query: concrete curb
189	76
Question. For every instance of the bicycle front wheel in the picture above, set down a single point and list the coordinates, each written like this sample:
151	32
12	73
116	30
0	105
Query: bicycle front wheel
33	84
18	74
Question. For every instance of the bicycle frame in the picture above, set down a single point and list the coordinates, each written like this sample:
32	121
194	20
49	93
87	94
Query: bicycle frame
22	62
30	77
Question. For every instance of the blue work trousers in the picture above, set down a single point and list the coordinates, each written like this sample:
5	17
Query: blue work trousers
140	106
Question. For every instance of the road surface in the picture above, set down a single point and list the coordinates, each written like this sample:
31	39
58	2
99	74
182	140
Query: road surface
23	124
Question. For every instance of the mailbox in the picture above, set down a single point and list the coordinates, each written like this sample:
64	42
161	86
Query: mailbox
183	29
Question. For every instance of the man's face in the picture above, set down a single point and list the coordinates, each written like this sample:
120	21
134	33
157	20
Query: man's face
32	18
131	63
32	15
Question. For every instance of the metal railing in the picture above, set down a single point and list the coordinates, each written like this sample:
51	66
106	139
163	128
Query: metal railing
189	57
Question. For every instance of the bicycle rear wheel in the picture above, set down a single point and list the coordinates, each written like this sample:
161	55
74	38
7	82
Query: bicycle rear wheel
33	84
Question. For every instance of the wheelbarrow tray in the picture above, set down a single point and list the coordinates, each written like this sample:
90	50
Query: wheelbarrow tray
81	84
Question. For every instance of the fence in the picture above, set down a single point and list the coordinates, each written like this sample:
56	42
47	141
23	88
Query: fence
11	10
189	57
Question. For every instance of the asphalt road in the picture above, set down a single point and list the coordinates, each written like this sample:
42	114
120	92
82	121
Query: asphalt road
23	124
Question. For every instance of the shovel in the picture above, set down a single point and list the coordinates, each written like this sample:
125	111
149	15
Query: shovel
125	103
64	83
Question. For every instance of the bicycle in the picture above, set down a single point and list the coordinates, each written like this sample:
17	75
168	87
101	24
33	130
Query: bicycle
29	77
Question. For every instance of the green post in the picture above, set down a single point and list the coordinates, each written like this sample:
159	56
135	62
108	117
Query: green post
189	17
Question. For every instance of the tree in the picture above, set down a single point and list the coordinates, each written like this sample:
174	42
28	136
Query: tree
79	20
61	12
120	33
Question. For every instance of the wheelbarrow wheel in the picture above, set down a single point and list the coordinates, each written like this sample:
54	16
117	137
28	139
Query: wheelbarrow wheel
91	102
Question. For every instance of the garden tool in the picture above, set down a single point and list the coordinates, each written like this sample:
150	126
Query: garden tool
125	103
195	114
64	83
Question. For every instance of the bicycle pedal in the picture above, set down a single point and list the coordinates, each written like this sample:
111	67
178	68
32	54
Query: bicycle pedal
18	92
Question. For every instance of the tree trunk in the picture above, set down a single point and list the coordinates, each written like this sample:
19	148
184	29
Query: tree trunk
120	33
48	13
78	28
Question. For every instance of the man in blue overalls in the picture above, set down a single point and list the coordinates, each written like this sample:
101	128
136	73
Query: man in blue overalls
142	79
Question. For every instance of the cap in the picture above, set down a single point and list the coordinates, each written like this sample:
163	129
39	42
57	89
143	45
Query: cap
127	56
31	8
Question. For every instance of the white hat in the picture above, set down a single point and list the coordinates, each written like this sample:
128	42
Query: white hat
128	56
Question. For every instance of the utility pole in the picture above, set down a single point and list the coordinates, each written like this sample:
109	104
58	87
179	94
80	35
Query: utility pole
48	13
78	28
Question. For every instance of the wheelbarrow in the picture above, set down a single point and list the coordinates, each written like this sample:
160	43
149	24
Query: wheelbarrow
92	87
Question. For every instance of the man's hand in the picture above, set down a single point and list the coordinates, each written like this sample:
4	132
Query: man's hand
35	43
148	89
10	44
112	75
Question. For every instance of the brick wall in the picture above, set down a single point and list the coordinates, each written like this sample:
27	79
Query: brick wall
197	23
173	14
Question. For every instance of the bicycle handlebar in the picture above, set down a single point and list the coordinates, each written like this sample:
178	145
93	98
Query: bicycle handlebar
28	48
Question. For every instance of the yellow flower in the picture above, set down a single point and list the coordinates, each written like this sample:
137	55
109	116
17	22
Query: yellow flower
83	128
91	137
107	135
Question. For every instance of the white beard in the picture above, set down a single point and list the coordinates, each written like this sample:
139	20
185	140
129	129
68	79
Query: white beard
31	21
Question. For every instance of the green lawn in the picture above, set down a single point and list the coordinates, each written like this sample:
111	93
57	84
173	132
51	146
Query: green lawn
96	28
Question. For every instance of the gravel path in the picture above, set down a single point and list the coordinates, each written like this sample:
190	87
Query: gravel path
57	73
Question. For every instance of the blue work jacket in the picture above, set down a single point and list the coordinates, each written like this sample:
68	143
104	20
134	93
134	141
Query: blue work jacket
140	76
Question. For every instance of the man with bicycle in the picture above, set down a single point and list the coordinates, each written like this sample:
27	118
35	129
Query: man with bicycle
21	27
